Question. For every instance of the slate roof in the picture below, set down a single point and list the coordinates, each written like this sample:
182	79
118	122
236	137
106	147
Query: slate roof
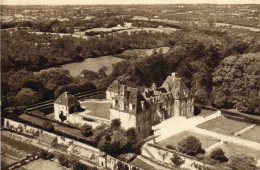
114	86
67	99
177	87
135	97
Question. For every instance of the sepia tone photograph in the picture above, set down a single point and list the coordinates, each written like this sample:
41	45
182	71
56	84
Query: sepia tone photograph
130	84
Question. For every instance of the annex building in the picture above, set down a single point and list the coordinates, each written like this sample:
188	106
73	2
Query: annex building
136	108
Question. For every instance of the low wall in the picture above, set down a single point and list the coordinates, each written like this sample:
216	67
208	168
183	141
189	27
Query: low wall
164	155
232	114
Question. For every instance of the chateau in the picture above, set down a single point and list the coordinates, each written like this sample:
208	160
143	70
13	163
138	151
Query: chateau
135	108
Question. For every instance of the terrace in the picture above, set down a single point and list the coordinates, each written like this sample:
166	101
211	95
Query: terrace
206	141
252	134
231	148
223	125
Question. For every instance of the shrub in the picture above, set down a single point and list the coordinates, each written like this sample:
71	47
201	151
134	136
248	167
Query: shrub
168	146
64	161
44	154
177	160
115	123
86	130
190	145
242	162
218	155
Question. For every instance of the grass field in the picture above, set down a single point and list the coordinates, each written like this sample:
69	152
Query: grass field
206	141
223	125
98	109
252	134
231	148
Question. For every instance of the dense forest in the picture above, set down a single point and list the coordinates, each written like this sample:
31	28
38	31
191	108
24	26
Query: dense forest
215	63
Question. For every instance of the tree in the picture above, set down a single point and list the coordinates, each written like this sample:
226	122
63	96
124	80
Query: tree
25	94
218	155
44	154
242	162
115	123
86	130
190	145
64	161
177	160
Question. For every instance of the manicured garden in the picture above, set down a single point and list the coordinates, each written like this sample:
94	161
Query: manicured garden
224	125
252	134
205	140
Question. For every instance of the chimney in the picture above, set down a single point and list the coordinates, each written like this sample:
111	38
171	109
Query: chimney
174	74
123	98
66	94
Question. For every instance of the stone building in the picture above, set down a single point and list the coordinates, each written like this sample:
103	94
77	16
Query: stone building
142	110
65	105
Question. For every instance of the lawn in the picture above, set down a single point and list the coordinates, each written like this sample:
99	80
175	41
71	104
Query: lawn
224	125
231	148
252	134
205	140
98	109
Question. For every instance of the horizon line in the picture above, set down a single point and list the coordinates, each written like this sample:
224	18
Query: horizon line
65	4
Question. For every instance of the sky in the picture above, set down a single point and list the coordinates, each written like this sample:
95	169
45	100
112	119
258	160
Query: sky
87	2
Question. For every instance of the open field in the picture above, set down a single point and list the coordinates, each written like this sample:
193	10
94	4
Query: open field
224	125
41	164
98	109
93	64
252	134
143	52
231	148
206	141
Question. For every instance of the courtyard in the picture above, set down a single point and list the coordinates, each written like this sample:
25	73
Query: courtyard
97	108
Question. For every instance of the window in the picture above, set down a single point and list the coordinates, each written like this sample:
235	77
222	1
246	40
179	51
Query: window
139	129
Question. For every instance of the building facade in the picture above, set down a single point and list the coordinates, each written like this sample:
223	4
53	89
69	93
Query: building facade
143	109
139	109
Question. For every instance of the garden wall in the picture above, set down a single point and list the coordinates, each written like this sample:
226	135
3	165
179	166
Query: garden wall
235	115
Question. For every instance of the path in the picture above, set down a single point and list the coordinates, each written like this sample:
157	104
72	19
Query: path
214	146
244	130
178	124
233	139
